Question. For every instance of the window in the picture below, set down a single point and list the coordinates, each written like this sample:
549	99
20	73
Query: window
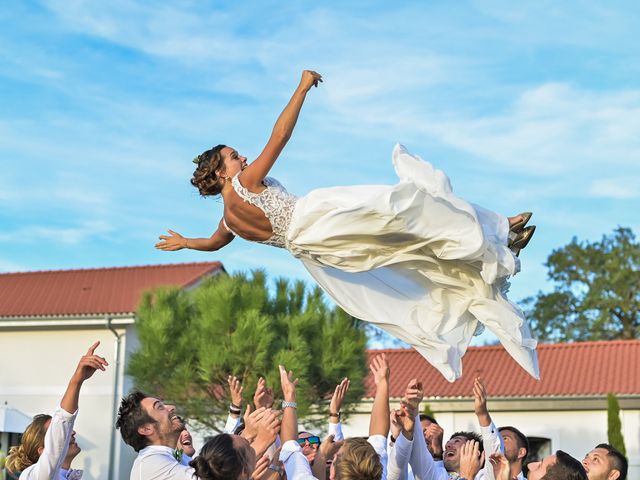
539	447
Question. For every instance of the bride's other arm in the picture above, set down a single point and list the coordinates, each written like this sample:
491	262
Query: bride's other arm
253	175
174	241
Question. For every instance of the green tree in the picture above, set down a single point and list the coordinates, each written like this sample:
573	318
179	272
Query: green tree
596	294
191	340
614	426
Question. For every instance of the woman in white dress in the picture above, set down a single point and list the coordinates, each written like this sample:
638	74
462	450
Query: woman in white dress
412	258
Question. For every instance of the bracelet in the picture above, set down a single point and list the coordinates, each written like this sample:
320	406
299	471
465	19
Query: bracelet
336	415
235	410
286	404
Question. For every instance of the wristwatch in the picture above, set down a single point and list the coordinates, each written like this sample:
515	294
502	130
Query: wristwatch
286	404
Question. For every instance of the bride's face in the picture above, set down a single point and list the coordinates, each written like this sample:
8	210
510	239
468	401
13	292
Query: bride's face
233	161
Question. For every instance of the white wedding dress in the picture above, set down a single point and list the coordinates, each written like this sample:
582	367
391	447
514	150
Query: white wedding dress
411	258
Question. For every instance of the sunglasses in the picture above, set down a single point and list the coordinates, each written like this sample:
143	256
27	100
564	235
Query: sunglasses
313	440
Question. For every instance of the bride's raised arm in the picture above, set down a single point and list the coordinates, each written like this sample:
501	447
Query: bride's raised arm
253	175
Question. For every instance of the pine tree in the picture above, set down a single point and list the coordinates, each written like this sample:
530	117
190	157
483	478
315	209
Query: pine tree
190	341
614	426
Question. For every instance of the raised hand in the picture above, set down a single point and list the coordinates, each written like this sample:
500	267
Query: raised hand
309	79
407	419
471	459
501	469
267	428
433	434
88	364
251	420
480	402
235	389
288	384
171	242
338	396
395	423
263	396
414	393
380	369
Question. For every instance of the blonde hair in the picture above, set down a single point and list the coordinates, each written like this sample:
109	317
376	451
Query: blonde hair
358	461
26	454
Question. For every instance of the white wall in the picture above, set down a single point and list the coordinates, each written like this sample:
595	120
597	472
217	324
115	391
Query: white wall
35	370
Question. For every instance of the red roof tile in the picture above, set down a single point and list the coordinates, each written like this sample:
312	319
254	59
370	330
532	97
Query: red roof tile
566	369
91	291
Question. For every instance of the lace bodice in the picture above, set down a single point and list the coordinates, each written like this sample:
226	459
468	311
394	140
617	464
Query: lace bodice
276	203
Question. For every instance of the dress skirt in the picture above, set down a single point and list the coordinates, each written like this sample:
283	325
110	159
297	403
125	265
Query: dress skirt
417	261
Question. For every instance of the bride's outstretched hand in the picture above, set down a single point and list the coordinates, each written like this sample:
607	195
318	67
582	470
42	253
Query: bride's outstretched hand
310	79
171	242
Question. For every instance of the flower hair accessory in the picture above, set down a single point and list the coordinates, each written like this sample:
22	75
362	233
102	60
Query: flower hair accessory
177	453
197	159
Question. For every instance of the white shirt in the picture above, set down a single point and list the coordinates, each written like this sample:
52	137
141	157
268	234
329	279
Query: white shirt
379	444
231	425
492	443
156	462
335	429
56	445
295	463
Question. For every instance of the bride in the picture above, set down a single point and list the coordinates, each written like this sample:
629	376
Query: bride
412	258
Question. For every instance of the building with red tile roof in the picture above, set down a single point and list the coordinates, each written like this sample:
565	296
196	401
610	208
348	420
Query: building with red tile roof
581	369
48	319
94	291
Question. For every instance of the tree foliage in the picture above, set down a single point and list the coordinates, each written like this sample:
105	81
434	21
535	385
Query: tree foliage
614	425
596	294
191	340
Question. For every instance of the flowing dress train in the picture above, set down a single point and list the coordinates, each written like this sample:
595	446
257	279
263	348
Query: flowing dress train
412	258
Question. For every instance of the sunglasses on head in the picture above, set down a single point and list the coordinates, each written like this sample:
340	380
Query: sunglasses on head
313	440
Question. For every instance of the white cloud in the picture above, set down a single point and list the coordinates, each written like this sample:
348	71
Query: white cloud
620	188
48	235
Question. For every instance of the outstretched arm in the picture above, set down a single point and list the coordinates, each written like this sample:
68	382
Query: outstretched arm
56	440
253	175
491	438
379	421
89	363
174	241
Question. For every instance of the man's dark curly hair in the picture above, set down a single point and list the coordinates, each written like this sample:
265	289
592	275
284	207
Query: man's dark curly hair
132	416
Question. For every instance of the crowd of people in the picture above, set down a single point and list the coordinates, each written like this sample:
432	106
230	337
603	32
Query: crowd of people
261	441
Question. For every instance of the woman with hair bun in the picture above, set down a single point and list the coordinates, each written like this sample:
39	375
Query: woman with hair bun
413	258
48	444
225	457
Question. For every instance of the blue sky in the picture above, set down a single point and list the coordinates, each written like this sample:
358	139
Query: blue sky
525	105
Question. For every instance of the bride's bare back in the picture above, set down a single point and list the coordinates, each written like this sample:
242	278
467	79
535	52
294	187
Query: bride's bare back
245	219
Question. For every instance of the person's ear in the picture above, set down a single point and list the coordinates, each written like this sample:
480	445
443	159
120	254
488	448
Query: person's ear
613	475
522	452
146	429
40	450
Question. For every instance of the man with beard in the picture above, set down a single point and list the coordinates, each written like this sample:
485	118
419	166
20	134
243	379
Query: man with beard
152	429
516	449
605	463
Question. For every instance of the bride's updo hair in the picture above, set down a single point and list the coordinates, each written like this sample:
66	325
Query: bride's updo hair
206	178
26	454
219	459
